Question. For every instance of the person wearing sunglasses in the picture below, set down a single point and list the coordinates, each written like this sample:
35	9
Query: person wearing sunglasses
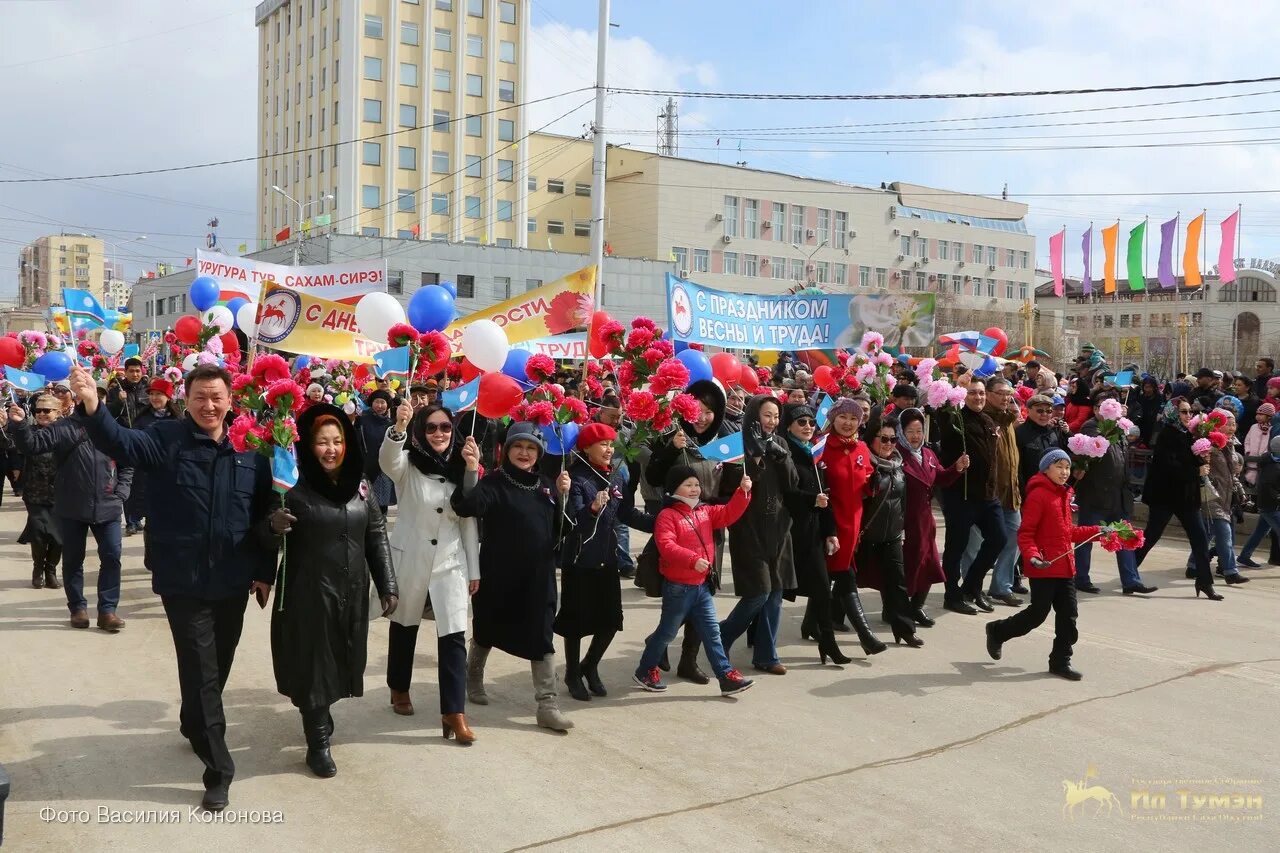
436	555
41	532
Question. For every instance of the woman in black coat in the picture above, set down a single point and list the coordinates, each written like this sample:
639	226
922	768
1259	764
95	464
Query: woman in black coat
336	541
521	517
41	531
159	407
879	553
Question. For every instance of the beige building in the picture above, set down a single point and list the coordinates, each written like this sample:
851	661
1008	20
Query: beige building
426	97
49	264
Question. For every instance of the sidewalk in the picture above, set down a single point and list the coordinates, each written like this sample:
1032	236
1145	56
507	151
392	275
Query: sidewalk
932	749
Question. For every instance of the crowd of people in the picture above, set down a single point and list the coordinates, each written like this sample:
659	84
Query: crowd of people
832	498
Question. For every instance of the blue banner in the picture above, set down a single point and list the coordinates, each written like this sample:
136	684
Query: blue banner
808	320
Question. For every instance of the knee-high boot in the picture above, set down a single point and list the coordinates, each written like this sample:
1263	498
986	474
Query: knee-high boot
317	726
918	612
858	618
476	657
544	691
573	669
688	666
52	554
591	663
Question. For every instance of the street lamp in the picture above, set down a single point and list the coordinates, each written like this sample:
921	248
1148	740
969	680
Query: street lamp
808	258
297	245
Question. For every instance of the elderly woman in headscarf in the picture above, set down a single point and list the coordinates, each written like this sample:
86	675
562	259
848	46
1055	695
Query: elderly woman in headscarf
373	424
437	558
336	543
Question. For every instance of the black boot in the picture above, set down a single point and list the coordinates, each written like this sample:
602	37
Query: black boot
37	576
51	569
827	648
918	612
808	630
837	614
37	562
858	617
573	669
688	666
315	726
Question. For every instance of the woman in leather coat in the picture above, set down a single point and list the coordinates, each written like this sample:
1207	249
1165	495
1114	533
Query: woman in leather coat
335	540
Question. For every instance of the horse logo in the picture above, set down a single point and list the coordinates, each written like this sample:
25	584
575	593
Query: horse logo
681	311
1076	794
278	316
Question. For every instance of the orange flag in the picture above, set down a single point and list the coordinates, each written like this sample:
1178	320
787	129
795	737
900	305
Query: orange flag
1110	236
1191	257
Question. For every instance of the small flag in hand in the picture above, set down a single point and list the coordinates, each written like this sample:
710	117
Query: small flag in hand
819	447
83	306
391	362
824	410
23	380
462	399
727	449
284	470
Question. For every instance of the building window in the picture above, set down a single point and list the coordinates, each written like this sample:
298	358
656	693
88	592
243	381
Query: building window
922	247
977	253
797	224
841	230
373	26
475	85
443	40
506	130
504	211
730	263
472	207
555	226
408	33
991	288
824	226
531	225
532	184
1024	259
554	185
904	248
507	91
581	228
701	260
1022	294
440	204
680	257
750	218
408	74
371	153
921	281
839	271
797	269
957	285
406	201
779	222
944	250
506	51
466	286
372	110
823	270
372	68
1008	290
882	278
1010	258
730	216
441	81
440	161
440	121
475	45
778	267
750	265
370	196
474	167
395	279
475	125
506	11
506	170
444	5
408	157
991	258
408	115
502	286
864	276
475	8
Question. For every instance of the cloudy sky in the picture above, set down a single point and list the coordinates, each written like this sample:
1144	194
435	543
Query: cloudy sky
97	86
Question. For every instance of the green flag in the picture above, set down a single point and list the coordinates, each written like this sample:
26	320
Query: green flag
1137	278
323	220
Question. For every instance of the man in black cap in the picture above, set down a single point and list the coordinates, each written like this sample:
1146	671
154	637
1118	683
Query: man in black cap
1206	394
127	396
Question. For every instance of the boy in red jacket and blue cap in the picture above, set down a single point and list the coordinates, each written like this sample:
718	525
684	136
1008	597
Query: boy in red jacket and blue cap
1047	539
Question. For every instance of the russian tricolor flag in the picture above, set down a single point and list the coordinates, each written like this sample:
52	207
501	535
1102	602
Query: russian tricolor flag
819	447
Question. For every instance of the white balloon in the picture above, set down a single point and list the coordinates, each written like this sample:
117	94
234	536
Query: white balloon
111	341
189	363
376	313
220	316
484	343
349	407
247	317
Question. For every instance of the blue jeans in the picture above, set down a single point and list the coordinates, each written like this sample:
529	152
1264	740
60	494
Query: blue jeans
1266	521
683	602
765	639
1006	561
1126	561
1221	533
107	535
624	547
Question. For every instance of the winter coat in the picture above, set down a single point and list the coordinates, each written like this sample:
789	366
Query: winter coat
683	535
1105	486
39	477
203	499
810	524
435	552
921	562
978	482
1033	442
1206	398
136	401
1268	485
138	494
883	518
759	550
1256	444
1047	531
846	465
319	641
373	431
1006	468
1173	475
516	603
1147	416
1222	464
1077	413
89	486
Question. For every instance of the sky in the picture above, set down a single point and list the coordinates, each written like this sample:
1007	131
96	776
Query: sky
97	86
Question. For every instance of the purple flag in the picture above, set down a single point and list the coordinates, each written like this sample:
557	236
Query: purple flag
1168	233
1086	249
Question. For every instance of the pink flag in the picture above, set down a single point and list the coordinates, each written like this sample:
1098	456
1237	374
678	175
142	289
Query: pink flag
1227	251
1055	260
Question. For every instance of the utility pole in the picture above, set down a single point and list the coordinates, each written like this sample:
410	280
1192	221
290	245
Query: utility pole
598	156
1027	313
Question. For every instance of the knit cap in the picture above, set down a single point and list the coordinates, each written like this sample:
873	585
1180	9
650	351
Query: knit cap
1051	456
677	475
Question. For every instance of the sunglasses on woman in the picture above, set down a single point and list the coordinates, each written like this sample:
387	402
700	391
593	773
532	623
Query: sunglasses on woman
804	422
432	429
886	439
44	411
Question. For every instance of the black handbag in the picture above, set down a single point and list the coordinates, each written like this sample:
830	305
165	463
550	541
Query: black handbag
648	577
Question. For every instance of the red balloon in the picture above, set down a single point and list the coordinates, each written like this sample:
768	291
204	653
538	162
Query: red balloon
470	371
360	374
498	394
230	343
12	353
748	379
187	330
595	346
726	367
1001	339
823	380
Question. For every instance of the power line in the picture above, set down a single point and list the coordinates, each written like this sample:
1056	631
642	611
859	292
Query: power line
872	148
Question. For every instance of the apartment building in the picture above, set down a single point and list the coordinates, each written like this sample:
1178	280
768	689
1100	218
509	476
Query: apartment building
48	264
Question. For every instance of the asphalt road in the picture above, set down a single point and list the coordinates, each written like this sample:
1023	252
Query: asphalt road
1171	738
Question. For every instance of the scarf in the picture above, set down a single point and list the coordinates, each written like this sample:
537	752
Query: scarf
448	465
692	503
916	453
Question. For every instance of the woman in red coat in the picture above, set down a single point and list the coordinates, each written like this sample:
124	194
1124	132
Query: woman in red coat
921	561
847	466
1047	540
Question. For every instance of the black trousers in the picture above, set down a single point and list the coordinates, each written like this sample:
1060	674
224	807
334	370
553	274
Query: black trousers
898	610
205	635
574	664
1158	518
451	650
961	516
1058	594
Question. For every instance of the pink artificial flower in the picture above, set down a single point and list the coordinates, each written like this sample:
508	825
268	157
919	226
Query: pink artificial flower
540	414
576	409
1100	446
671	375
1124	424
214	345
938	393
872	341
865	372
239	431
956	396
1201	447
644	323
884	358
639	339
268	369
282	387
1110	409
653	356
241	381
663	346
925	367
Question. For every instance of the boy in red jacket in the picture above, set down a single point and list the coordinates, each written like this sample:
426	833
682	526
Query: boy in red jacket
685	553
1047	540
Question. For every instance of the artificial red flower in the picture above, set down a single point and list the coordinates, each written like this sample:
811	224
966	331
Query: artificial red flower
269	369
644	323
401	334
86	348
435	348
540	413
763	374
594	389
661	420
280	388
239	431
1218	439
241	381
626	376
686	407
568	310
576	409
671	375
639	339
663	346
611	334
170	338
453	371
540	368
641	406
652	356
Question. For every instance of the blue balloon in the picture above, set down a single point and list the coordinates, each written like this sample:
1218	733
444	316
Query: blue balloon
204	292
430	309
514	366
559	437
698	364
53	365
904	358
451	287
302	362
234	305
679	346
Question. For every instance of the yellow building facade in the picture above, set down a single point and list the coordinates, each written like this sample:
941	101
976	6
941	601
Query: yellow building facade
48	264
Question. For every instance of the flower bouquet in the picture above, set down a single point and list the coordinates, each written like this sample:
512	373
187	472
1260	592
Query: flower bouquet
948	401
1112	424
429	352
1120	536
870	365
1086	448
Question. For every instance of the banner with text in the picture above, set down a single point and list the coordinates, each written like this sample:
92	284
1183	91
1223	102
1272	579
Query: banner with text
244	277
552	309
298	322
572	346
698	314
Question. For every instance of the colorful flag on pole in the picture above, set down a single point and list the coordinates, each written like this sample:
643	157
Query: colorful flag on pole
1110	238
1164	271
1137	275
1086	252
23	380
819	447
965	340
391	363
823	410
1191	254
282	234
1056	260
83	306
727	449
242	248
189	260
284	469
463	398
1227	250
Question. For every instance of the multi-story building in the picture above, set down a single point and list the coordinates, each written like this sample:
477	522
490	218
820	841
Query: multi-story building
397	118
48	264
114	287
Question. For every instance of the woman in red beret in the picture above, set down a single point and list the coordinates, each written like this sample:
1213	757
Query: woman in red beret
600	496
160	396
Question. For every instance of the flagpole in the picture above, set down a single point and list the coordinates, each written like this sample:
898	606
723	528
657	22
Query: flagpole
1235	323
1204	285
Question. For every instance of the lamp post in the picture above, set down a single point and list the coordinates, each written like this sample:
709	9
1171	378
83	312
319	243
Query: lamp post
297	244
809	257
116	254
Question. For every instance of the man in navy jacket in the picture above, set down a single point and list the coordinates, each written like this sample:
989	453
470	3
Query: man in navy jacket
203	500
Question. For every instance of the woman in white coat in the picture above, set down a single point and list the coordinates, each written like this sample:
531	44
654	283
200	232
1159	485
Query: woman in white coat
436	555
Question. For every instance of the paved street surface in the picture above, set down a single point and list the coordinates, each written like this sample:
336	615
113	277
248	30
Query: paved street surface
936	748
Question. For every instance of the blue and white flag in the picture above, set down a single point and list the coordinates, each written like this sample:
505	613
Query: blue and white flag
818	448
83	306
284	469
392	363
727	449
463	398
823	410
23	380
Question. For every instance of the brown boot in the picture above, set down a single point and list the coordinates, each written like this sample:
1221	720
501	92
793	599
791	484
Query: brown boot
51	578
401	703
688	666
80	619
110	622
455	725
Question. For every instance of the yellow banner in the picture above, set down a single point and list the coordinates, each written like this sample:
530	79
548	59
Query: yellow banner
553	309
298	322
